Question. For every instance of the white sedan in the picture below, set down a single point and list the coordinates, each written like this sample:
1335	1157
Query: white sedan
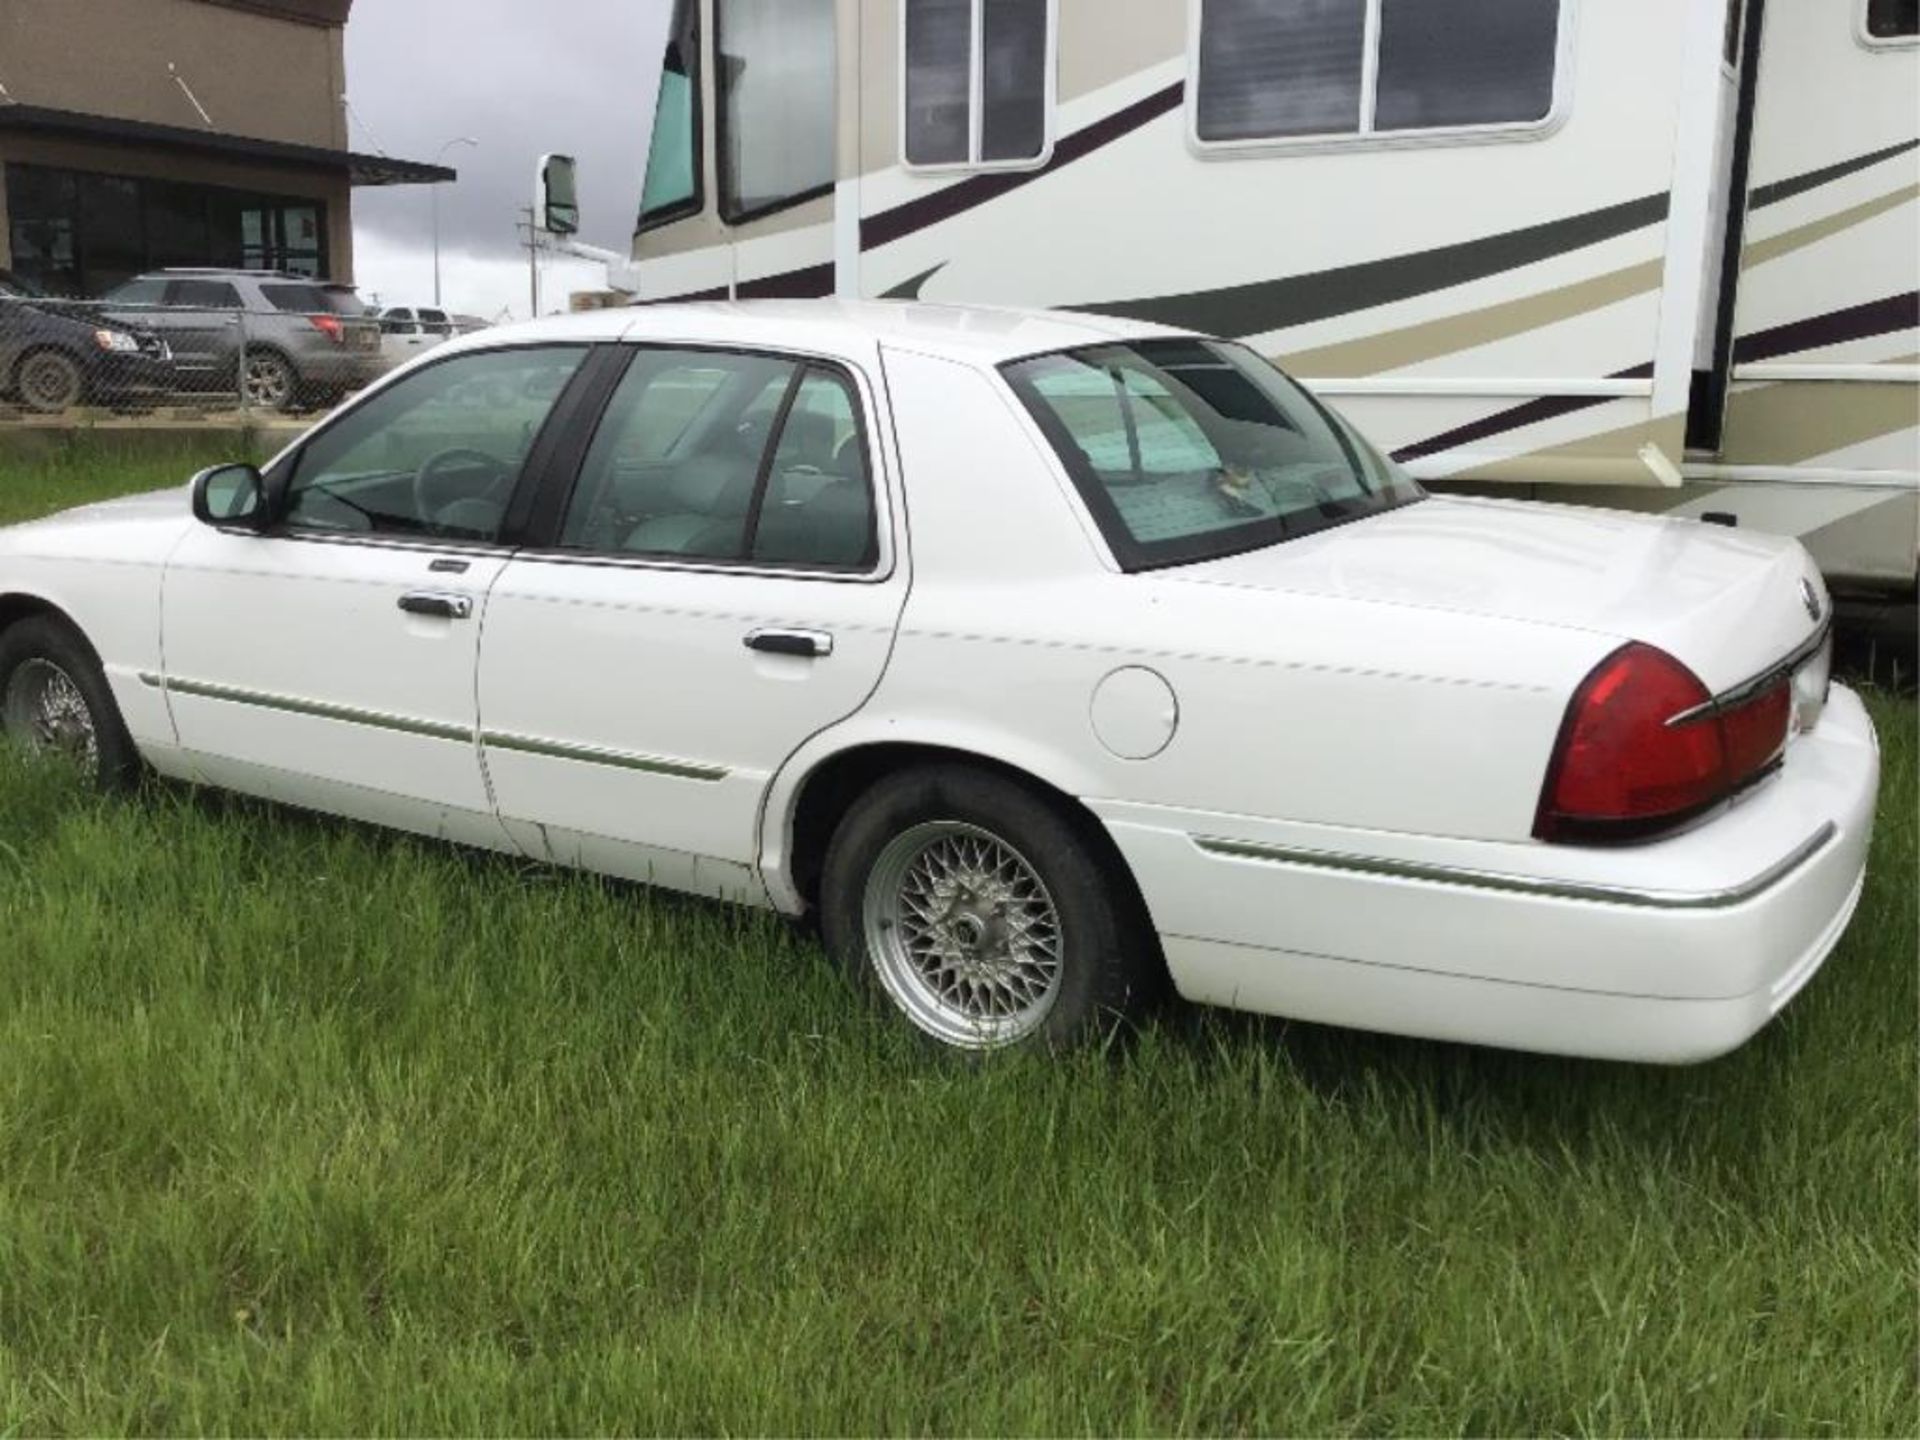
1046	658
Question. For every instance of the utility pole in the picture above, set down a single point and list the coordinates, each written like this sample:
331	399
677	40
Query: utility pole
533	248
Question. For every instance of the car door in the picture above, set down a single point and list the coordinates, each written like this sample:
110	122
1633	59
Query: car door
720	583
201	322
330	661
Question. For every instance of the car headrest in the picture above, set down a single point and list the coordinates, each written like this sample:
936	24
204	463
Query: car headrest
807	440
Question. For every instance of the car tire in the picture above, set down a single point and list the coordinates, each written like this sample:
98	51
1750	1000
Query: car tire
268	381
985	913
49	382
54	698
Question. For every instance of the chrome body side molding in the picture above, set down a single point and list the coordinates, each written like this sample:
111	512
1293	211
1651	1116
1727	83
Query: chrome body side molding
1534	885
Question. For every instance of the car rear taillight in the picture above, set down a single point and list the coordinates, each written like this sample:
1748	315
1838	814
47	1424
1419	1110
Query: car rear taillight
329	326
1643	748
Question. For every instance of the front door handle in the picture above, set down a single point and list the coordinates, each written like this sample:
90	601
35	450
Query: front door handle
808	644
435	603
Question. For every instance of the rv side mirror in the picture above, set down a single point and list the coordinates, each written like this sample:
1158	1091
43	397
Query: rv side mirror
231	497
557	204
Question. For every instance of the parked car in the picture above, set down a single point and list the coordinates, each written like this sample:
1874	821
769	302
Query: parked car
407	332
1044	657
292	342
52	359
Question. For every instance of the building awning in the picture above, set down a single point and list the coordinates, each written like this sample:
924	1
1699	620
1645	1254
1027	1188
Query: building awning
361	169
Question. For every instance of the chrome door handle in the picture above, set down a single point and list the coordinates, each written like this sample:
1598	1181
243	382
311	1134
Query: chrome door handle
438	604
808	644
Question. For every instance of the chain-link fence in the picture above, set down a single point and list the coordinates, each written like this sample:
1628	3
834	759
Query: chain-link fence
277	348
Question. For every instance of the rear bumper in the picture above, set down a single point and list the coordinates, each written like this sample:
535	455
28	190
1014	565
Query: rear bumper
1675	951
345	368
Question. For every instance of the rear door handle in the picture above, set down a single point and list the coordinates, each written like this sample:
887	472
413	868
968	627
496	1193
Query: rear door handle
443	606
809	644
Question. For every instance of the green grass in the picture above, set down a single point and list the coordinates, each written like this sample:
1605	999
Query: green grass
309	1128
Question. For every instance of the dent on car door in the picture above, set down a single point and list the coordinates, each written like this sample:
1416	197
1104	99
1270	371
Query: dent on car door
717	585
330	661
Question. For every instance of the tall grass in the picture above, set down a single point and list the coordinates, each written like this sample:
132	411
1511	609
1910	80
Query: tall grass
307	1127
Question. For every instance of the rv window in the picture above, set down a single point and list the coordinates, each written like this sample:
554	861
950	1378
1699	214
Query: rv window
1271	69
1465	62
777	103
1013	79
1293	69
672	187
1893	19
978	81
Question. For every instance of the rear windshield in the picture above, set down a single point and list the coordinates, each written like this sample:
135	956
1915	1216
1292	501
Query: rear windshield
313	299
1189	449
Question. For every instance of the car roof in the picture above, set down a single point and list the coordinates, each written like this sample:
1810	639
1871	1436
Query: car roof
978	335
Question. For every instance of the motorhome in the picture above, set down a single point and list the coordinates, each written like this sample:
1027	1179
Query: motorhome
1657	254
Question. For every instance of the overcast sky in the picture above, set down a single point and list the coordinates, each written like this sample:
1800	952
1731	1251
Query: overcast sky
522	77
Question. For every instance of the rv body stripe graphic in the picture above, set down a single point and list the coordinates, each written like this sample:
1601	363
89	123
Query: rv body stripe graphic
890	225
812	282
1859	322
1265	305
1548	407
1280	304
1813	179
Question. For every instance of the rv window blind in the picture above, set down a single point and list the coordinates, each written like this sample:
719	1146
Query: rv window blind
939	81
1273	68
1013	79
1298	69
1465	62
778	103
976	87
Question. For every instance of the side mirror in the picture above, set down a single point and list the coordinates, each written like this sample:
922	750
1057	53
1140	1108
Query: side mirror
556	200
231	496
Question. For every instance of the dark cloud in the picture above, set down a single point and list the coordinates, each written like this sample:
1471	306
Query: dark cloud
520	76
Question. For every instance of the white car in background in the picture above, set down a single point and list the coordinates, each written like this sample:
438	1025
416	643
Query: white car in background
408	331
1046	658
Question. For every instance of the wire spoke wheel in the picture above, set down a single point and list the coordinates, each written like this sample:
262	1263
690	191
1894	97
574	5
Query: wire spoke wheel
268	381
963	934
49	383
44	710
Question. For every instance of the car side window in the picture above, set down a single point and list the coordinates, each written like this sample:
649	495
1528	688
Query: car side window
714	456
818	507
138	292
436	455
203	295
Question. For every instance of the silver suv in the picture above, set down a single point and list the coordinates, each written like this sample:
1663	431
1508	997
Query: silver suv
280	341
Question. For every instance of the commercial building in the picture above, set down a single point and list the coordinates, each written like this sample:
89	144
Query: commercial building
136	134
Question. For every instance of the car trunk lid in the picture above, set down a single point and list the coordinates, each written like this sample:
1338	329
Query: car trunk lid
1729	604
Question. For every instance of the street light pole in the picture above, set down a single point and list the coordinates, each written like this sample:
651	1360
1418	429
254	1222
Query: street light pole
435	189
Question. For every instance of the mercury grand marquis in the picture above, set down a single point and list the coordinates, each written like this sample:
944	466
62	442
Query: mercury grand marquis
1044	658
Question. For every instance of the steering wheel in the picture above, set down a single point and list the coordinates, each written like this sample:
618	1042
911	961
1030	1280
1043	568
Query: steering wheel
443	479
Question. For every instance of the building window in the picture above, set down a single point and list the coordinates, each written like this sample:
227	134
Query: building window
1893	19
978	88
1312	69
778	103
672	186
79	233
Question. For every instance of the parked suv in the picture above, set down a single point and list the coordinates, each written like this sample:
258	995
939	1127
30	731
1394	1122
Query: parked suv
288	341
53	358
